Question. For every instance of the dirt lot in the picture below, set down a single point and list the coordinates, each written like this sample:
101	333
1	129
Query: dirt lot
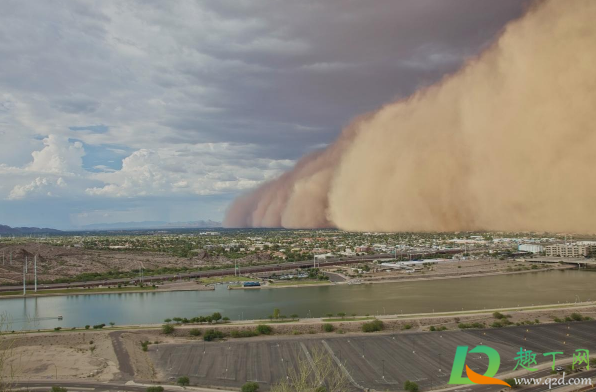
62	355
59	262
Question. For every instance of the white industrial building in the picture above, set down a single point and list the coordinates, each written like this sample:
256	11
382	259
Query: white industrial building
534	248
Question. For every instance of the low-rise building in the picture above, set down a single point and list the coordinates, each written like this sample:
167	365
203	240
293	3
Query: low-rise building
565	250
533	248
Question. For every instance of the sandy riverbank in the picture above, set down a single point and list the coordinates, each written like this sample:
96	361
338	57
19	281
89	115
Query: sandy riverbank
93	355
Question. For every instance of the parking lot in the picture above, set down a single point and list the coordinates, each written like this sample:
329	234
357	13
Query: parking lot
379	362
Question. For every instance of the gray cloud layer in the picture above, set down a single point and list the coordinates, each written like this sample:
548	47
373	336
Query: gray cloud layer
261	82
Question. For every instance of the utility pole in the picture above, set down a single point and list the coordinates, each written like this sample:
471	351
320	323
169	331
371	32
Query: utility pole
24	279
35	268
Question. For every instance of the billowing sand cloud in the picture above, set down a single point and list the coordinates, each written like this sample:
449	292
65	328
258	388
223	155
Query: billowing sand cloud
507	143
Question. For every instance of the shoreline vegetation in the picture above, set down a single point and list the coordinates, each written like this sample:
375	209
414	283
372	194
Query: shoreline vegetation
342	323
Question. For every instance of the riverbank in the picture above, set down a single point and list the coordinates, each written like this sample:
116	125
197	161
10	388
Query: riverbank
400	279
104	354
447	270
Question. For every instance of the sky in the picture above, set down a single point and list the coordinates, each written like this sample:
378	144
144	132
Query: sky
130	111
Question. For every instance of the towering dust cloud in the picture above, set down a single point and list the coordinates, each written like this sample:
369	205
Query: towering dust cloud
507	143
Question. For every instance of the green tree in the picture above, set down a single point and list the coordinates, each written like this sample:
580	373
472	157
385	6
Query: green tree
341	314
328	327
276	313
216	317
250	387
183	381
294	316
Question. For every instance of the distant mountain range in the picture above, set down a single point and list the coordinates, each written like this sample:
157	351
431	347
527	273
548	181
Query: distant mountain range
7	230
152	225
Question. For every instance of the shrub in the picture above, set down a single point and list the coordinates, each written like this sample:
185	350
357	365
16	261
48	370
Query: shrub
408	326
99	326
263	329
432	328
167	329
472	325
250	387
373	326
194	332
410	386
498	315
183	381
512	382
576	317
145	345
87	326
212	334
57	328
328	327
243	333
157	388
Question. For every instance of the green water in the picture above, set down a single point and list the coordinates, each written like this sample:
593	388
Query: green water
388	298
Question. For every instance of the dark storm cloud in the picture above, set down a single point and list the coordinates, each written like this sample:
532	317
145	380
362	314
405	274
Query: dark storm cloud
315	65
263	81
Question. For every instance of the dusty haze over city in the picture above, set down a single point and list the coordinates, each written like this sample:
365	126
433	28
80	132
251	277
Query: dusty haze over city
505	143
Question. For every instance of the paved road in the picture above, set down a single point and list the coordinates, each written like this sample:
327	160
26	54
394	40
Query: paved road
228	271
80	385
124	364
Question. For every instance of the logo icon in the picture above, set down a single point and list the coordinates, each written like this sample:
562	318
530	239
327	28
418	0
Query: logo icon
494	361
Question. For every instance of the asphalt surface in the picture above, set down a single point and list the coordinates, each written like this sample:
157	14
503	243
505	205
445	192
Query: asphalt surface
380	362
124	364
86	386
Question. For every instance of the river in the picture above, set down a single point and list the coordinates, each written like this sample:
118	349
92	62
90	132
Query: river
537	288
